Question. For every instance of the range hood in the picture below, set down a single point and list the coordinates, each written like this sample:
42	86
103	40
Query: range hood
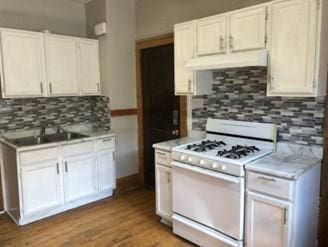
231	60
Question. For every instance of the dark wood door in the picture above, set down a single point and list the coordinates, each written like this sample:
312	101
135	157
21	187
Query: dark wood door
160	106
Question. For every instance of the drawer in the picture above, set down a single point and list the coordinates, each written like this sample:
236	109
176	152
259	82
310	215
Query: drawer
78	148
201	235
36	156
105	143
163	158
270	185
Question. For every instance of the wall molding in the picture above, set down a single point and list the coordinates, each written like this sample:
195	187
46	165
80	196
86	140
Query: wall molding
124	112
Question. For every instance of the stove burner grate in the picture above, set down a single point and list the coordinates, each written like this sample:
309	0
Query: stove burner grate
205	146
238	151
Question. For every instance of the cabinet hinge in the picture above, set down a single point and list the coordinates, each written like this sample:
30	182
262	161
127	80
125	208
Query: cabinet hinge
266	39
266	15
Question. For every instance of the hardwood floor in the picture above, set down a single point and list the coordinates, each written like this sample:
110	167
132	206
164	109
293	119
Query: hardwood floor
126	220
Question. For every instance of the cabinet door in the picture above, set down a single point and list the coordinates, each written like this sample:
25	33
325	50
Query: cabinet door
248	29
184	46
22	63
163	191
89	63
62	65
40	186
106	170
211	35
79	177
267	221
292	52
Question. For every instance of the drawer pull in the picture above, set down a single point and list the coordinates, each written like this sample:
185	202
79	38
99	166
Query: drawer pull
107	140
267	179
160	153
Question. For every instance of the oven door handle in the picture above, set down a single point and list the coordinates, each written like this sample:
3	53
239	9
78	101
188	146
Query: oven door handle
206	172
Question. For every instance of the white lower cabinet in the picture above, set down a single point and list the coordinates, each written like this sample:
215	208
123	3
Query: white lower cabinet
282	212
268	222
163	176
79	176
106	170
164	192
57	178
43	175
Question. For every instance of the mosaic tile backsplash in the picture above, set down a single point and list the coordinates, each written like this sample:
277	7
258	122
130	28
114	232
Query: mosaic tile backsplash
29	113
240	94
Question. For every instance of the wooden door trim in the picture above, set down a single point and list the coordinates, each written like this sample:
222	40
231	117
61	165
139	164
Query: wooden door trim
140	45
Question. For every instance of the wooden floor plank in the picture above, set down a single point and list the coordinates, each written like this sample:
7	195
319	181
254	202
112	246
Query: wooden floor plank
123	221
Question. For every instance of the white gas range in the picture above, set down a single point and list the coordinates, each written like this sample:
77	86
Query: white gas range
208	181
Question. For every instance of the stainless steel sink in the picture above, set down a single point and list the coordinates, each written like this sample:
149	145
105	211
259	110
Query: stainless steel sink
29	141
32	140
65	136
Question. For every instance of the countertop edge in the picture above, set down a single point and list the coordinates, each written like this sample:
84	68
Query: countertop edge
93	136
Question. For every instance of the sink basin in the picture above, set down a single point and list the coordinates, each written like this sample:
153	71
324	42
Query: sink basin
29	141
66	136
32	140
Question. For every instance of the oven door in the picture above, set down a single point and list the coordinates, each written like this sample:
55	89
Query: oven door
210	198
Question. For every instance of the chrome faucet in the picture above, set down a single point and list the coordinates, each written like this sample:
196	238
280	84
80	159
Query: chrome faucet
46	124
43	128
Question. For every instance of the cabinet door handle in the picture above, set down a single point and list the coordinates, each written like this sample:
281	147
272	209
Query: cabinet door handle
189	85
50	87
285	216
169	178
57	166
41	87
221	43
66	168
231	42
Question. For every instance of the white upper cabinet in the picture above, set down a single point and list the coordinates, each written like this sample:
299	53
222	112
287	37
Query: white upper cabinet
298	48
89	63
187	82
22	70
211	35
184	46
62	65
248	29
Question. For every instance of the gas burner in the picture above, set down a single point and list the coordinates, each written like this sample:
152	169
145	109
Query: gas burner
238	151
205	146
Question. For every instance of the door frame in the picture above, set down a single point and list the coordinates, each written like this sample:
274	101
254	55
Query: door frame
165	39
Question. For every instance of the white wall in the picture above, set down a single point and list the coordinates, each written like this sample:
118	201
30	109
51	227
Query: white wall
156	17
59	16
117	59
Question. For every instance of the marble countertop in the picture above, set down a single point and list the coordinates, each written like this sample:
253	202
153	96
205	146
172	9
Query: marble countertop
82	129
168	145
290	161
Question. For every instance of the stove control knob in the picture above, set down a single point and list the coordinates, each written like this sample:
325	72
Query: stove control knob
202	162
189	159
183	157
223	167
215	165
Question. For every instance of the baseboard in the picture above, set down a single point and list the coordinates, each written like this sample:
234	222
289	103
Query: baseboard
128	183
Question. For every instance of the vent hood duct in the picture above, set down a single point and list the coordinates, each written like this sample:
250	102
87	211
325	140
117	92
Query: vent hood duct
231	60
